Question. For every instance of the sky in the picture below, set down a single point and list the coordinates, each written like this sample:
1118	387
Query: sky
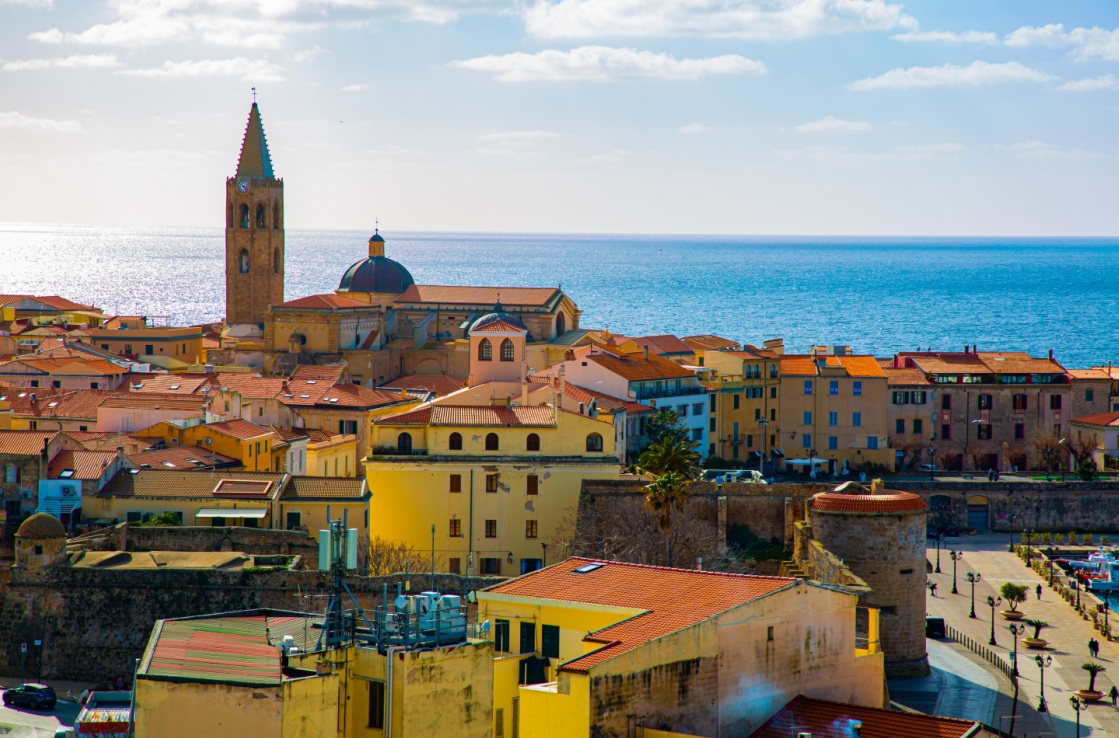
845	117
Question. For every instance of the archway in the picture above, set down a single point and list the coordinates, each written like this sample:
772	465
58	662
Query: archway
978	509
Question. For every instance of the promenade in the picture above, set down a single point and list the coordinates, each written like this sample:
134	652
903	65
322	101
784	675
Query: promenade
1068	635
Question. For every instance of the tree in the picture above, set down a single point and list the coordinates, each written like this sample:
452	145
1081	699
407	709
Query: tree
677	455
391	557
1047	446
1083	447
665	424
912	448
1014	594
1093	670
666	494
1037	625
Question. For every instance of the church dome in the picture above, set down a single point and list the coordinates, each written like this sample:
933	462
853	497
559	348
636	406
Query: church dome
41	525
377	273
495	320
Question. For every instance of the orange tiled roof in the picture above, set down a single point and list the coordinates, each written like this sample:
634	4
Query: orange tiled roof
326	488
326	372
52	301
605	401
499	326
110	441
637	368
855	366
824	719
1093	373
1106	419
66	366
324	394
536	416
239	428
288	434
642	588
440	384
157	401
184	458
187	484
482	296
252	386
892	502
24	443
324	302
953	363
798	365
905	376
76	404
710	342
183	384
86	464
1019	362
663	344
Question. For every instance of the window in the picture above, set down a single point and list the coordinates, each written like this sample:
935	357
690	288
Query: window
294	520
492	442
773	414
1089	395
983	431
734	433
376	705
550	641
769	633
404	443
833	443
808	417
507	350
734	401
532	485
1019	431
491	529
757	413
594	443
833	387
561	324
528	637
491	567
347	427
259	216
711	402
454	565
501	635
244	222
918	397
773	393
149	349
682	411
984	402
697	408
833	418
456	483
532	443
872	442
806	440
244	261
530	529
711	425
485	350
856	387
918	426
856	419
697	434
491	483
454	443
901	398
1054	402
530	565
276	261
133	516
808	386
946	402
734	452
900	426
455	530
1020	403
57	384
945	432
749	440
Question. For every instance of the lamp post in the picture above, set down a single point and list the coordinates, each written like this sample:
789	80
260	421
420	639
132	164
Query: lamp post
932	455
939	538
764	425
993	602
1028	533
1017	629
544	561
973	577
955	556
1043	663
1076	588
1010	524
1079	705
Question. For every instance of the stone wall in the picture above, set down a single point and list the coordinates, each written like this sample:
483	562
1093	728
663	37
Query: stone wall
94	622
682	696
256	541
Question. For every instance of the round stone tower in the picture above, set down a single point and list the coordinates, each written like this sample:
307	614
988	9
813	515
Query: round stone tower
881	538
41	542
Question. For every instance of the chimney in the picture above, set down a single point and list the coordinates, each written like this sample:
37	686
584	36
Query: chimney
645	352
1050	354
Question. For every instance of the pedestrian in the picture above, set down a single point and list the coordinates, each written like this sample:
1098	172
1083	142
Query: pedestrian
1114	694
1038	591
932	589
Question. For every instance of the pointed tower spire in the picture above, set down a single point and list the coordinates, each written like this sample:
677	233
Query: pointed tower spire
254	161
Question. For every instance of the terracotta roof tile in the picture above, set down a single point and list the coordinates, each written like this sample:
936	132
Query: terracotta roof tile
854	366
326	488
797	366
324	302
499	326
65	366
710	342
485	296
892	502
24	443
239	428
663	344
637	368
1105	419
110	441
251	386
85	464
824	719
183	384
537	416
607	402
643	589
440	384
158	483
906	376
1093	373
326	372
183	458
139	400
1019	362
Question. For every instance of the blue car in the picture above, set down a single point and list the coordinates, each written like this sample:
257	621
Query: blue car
35	696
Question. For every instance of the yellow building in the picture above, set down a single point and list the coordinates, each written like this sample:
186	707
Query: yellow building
304	502
238	439
317	328
495	482
584	644
746	403
213	499
136	339
833	414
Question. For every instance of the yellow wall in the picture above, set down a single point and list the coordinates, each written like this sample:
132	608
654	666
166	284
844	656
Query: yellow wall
338	458
313	514
310	707
254	455
852	440
96	507
732	382
560	710
184	344
212	710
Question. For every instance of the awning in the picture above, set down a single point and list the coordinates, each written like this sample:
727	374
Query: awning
229	512
805	462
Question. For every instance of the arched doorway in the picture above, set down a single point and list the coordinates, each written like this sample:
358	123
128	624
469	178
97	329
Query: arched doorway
978	510
404	443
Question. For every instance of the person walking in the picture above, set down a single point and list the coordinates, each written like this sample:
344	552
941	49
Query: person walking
932	589
1038	590
1114	695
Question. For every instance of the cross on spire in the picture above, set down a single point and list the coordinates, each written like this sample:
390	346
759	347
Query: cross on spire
254	94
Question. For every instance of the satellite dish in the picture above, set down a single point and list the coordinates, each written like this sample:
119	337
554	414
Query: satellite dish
471	597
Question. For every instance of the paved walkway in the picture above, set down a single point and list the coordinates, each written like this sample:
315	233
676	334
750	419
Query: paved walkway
1068	636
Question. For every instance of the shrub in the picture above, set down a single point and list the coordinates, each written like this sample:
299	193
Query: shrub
1014	594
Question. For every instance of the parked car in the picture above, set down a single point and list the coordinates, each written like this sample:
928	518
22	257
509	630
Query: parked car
930	468
951	530
35	696
934	627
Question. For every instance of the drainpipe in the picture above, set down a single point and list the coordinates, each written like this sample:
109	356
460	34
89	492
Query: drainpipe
389	665
470	529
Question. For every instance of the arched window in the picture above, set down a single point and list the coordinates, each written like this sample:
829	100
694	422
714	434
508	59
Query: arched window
259	216
404	443
757	372
533	442
276	215
276	261
561	324
244	261
506	350
491	442
455	442
485	350
594	442
773	371
244	216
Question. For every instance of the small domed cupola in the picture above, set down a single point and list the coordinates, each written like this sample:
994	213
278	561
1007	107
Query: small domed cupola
498	315
377	273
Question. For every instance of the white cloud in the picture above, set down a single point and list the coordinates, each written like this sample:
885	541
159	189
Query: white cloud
30	3
831	124
747	19
950	37
75	61
609	158
1104	82
523	143
251	70
27	123
1085	43
1043	151
695	128
355	88
307	55
976	74
605	63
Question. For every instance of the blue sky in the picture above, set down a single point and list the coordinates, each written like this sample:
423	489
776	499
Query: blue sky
938	117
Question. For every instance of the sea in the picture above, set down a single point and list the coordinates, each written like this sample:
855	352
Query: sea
878	295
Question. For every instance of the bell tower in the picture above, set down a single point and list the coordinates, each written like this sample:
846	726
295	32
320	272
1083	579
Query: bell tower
254	231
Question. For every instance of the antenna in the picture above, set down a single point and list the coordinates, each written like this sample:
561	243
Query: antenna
338	555
254	95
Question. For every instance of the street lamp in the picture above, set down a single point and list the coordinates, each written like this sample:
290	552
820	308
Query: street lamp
973	577
764	424
1017	629
932	455
544	561
939	538
993	602
1079	705
1010	523
1028	533
1043	663
1076	587
955	556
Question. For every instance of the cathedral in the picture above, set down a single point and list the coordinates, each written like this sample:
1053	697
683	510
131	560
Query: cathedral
379	323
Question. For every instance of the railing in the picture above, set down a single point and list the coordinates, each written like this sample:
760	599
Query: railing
981	651
865	644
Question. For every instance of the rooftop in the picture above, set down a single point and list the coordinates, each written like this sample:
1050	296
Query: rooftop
176	484
81	464
889	502
1102	419
24	443
643	589
638	368
536	416
807	364
324	302
662	344
183	458
483	296
341	489
710	342
824	719
440	384
240	429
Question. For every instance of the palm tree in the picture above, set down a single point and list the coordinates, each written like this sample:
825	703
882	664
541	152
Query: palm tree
666	493
1093	670
1037	625
671	455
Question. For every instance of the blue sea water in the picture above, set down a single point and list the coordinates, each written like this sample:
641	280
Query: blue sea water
878	295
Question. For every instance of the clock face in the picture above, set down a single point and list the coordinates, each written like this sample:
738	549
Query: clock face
243	185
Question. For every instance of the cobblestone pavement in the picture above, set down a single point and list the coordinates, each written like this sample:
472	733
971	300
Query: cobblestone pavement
1068	637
